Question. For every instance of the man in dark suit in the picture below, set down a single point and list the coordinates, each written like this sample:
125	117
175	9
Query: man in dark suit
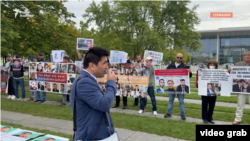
182	88
248	89
71	79
92	105
239	87
210	92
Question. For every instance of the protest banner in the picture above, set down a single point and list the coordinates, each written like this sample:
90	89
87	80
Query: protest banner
50	138
157	56
129	84
57	55
240	79
177	81
4	81
52	77
17	64
117	57
84	43
79	65
214	82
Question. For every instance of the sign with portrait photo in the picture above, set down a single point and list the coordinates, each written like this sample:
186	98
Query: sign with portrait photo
58	55
172	81
157	56
17	64
214	82
117	57
84	43
51	77
240	79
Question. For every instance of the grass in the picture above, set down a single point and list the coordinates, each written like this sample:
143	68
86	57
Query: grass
39	130
120	120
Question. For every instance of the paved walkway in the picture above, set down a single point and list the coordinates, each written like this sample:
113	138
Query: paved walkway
56	125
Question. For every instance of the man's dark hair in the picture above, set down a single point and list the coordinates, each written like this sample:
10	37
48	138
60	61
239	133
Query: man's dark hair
25	133
94	55
182	80
162	80
62	85
242	80
137	55
66	58
54	84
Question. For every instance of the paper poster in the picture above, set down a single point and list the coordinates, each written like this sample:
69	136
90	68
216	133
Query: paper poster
7	129
51	77
4	81
17	64
117	57
50	138
240	79
84	43
26	63
157	56
172	81
19	135
130	83
79	65
214	82
57	55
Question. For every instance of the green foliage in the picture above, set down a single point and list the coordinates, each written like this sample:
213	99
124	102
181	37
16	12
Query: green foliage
135	26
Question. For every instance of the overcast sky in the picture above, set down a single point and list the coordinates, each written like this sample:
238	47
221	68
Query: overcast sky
240	9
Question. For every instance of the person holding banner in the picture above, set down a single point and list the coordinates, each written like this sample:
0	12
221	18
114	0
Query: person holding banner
150	69
242	97
178	64
208	102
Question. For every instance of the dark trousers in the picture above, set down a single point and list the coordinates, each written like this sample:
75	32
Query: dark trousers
136	101
208	103
67	97
11	88
117	100
125	101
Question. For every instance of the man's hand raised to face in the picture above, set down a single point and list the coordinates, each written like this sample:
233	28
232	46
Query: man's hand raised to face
111	76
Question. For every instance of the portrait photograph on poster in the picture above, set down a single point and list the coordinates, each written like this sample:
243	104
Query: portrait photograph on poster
33	85
240	79
71	68
241	86
47	67
69	87
47	87
55	67
55	87
63	68
84	43
32	76
71	78
63	88
39	67
172	82
215	82
32	67
17	64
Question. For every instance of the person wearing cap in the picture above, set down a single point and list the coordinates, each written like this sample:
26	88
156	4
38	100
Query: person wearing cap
11	88
150	69
39	98
32	61
178	64
18	79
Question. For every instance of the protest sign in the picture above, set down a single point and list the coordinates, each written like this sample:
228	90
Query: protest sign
4	81
79	65
157	56
117	57
177	81
17	64
57	55
50	138
51	77
240	79
214	82
84	43
129	84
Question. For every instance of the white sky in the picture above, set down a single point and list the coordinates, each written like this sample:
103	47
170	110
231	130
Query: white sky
240	9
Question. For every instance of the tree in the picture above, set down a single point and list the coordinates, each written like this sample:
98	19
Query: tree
135	26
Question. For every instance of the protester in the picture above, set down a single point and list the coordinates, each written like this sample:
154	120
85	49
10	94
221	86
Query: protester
241	97
208	101
11	88
18	78
150	69
39	99
65	97
32	96
80	58
178	64
90	104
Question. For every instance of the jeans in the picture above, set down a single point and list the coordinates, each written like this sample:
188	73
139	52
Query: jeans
143	101
181	102
64	98
39	96
33	96
21	83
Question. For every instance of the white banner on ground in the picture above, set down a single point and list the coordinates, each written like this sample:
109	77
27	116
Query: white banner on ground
157	56
240	79
214	82
50	138
19	135
58	55
117	57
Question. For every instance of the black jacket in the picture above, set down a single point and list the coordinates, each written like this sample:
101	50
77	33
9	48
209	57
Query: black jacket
42	60
181	66
17	73
179	89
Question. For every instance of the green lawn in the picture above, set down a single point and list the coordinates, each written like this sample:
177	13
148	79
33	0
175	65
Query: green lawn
39	130
126	121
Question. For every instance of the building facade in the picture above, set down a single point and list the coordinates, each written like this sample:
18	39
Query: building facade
226	45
